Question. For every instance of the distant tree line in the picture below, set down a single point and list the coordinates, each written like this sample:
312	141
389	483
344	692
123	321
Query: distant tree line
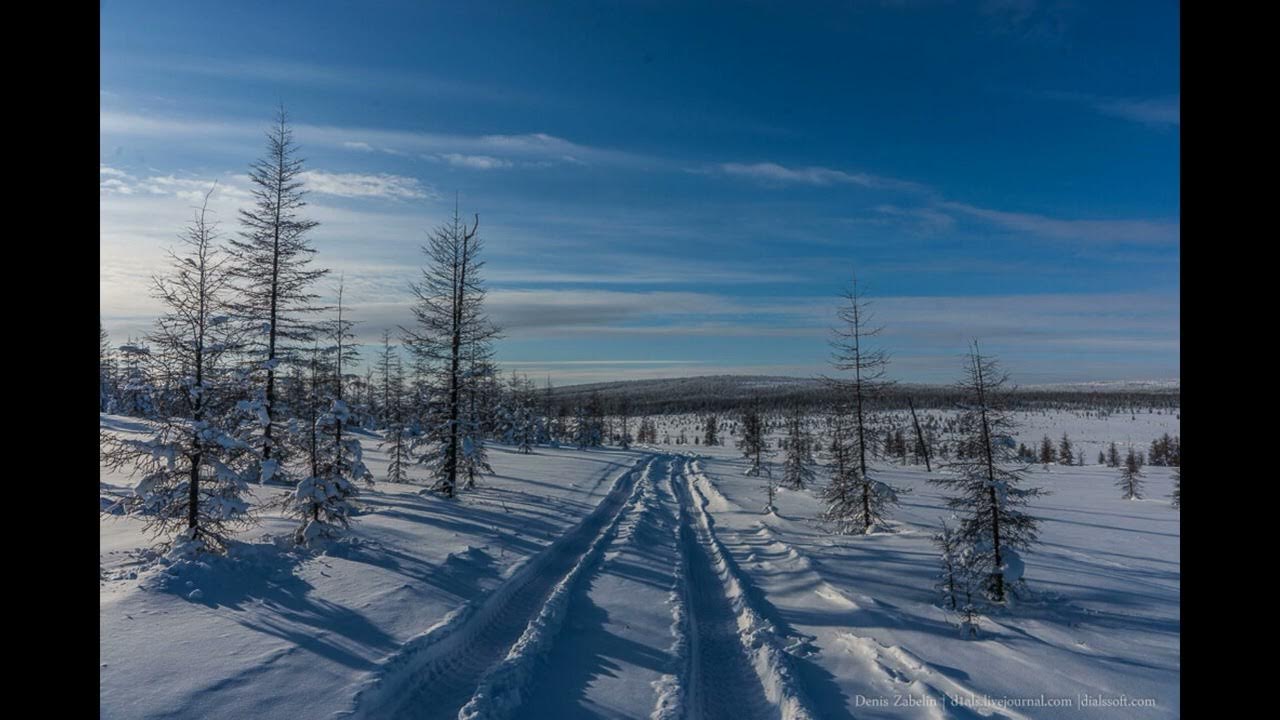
729	395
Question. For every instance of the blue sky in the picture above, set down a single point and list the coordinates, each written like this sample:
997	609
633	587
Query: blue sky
683	188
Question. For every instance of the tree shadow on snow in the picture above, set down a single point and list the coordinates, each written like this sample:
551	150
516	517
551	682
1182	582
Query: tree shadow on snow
258	583
577	664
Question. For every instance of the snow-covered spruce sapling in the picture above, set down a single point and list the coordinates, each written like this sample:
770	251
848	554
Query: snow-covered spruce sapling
481	392
842	494
624	416
1130	480
194	461
322	501
970	616
345	353
853	504
138	388
771	493
397	433
1177	488
388	364
950	581
710	430
752	443
955	582
797	466
1047	454
108	381
583	430
526	429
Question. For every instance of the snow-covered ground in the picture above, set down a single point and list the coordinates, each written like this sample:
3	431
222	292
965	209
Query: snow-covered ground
647	583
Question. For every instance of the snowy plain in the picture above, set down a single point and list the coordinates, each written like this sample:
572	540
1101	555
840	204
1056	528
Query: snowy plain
647	583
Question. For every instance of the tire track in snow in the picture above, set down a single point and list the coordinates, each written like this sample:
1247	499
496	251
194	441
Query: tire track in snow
609	659
503	687
892	667
673	687
437	673
739	670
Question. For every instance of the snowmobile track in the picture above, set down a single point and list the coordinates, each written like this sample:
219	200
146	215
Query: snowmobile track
475	652
738	670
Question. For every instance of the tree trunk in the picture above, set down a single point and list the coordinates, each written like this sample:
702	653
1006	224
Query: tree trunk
998	575
919	435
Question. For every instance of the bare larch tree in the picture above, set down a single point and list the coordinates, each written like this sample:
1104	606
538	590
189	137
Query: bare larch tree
852	353
272	261
195	461
450	330
986	480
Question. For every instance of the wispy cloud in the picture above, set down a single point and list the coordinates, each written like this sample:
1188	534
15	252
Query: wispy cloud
1153	111
114	181
1140	232
1162	111
527	310
235	187
1042	21
926	212
775	174
382	80
924	220
535	149
356	185
475	162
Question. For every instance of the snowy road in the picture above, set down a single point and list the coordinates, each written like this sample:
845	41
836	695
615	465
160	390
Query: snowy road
635	612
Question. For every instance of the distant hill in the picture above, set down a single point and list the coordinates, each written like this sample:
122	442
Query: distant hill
730	392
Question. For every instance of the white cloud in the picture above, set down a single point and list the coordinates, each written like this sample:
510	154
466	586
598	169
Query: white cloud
925	220
1158	111
1141	232
535	148
774	173
118	182
475	162
1150	111
356	185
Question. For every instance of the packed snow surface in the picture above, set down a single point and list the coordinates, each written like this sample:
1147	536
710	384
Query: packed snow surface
647	584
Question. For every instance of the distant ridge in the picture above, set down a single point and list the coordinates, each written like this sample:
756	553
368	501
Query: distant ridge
712	392
1111	386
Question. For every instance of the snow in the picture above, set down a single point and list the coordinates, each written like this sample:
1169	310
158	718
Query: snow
646	584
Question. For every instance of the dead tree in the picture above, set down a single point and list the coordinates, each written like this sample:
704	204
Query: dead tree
924	447
851	353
